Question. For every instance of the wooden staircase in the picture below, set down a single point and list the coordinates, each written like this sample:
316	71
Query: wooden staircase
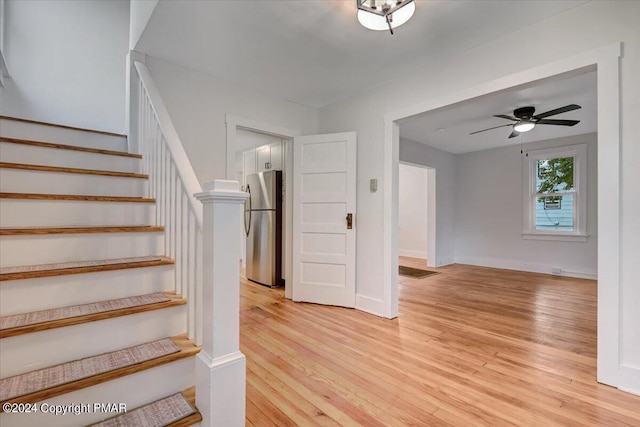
84	278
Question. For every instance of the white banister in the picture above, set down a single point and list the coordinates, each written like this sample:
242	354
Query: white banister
173	183
220	367
203	241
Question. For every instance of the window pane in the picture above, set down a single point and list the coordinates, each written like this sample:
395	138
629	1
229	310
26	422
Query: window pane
555	213
554	175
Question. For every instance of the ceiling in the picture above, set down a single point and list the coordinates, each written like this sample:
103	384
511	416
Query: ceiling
315	52
448	128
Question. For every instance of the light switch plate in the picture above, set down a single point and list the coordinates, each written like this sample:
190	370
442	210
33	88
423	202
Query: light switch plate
373	185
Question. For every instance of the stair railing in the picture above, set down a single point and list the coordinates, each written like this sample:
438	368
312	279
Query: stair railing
172	182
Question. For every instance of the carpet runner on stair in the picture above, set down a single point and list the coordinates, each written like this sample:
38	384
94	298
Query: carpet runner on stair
76	264
157	414
42	379
18	320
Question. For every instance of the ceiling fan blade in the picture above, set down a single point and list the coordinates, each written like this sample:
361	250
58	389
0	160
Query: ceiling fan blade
502	116
557	111
514	134
558	122
495	127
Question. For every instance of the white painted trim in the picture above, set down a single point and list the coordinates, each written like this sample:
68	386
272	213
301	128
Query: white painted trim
558	237
412	254
220	366
523	266
222	190
235	122
221	389
529	191
606	61
287	160
391	168
630	378
370	305
131	99
4	69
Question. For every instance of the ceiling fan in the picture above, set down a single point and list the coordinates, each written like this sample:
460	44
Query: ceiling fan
525	120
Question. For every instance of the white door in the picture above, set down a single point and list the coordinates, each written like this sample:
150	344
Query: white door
324	239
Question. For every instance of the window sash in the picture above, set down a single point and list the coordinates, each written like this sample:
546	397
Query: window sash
531	194
574	228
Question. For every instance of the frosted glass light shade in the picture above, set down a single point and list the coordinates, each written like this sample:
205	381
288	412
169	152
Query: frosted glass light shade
523	126
379	23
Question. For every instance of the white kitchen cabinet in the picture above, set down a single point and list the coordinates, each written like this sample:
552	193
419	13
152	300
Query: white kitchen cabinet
269	157
276	156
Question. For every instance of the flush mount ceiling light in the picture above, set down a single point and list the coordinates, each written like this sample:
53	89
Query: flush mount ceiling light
383	15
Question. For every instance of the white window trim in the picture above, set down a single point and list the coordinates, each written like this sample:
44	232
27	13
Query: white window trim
579	153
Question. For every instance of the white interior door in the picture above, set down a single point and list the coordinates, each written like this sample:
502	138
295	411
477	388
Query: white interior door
324	195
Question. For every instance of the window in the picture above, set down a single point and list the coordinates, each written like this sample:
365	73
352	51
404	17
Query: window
555	193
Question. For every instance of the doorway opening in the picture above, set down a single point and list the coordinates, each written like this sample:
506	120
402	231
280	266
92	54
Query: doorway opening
247	141
417	213
606	61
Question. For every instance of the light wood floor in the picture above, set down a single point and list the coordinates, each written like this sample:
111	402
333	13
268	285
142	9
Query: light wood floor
471	346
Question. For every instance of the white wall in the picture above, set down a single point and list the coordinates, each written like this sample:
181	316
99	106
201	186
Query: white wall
489	213
583	28
198	104
445	167
412	206
140	11
68	62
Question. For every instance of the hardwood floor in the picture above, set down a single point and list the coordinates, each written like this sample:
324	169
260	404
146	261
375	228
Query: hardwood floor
471	346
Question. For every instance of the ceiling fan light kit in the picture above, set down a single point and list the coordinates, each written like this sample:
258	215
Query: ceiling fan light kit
525	120
523	126
383	15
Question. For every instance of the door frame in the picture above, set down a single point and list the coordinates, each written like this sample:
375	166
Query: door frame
235	122
606	61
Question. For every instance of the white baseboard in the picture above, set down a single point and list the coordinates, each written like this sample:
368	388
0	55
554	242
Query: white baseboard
370	305
630	379
523	266
412	254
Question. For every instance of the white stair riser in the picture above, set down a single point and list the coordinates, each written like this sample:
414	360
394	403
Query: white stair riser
33	213
26	181
29	352
43	133
57	248
134	390
19	153
75	289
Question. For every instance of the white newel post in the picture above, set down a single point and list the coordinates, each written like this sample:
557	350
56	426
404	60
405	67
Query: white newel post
220	366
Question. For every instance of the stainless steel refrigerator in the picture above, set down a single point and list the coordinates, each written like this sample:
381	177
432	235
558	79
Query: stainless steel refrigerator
263	225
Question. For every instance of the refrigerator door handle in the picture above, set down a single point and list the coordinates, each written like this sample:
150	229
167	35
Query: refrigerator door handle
247	228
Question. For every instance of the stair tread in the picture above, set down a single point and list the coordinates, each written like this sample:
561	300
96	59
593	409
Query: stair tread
75	197
69	147
79	229
175	410
77	267
24	323
53	381
58	169
37	122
